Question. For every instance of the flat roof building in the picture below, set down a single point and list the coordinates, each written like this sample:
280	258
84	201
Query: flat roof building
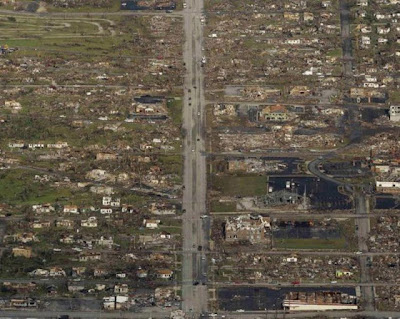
319	301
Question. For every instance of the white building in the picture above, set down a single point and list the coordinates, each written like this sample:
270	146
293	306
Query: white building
319	301
388	187
151	223
109	201
73	209
91	222
394	113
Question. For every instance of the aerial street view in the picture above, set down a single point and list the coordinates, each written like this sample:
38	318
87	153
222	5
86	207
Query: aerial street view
188	159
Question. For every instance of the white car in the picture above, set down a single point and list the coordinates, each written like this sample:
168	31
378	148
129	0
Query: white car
203	216
240	310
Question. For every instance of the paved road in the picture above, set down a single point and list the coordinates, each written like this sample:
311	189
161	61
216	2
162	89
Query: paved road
195	229
21	314
90	14
360	199
346	38
328	314
272	153
39	314
312	215
362	231
308	284
313	167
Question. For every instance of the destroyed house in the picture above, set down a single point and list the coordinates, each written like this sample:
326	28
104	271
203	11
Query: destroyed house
23	303
153	117
276	113
22	252
147	99
20	287
366	95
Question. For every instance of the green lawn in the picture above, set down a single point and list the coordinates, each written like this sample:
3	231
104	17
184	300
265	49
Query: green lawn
171	164
114	6
18	187
80	36
246	185
311	243
174	106
335	52
394	96
217	206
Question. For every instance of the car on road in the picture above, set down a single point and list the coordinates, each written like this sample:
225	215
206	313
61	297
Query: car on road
240	310
195	283
334	282
358	253
198	113
203	216
296	282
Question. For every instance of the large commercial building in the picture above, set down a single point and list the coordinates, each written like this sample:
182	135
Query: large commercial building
255	229
319	301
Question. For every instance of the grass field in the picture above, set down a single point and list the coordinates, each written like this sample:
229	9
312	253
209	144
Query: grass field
246	185
217	206
335	53
172	164
174	106
311	243
114	6
94	36
17	187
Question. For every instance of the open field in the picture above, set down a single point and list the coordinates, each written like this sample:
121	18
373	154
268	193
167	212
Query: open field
246	185
310	243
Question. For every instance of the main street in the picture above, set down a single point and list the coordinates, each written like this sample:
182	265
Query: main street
362	229
195	228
